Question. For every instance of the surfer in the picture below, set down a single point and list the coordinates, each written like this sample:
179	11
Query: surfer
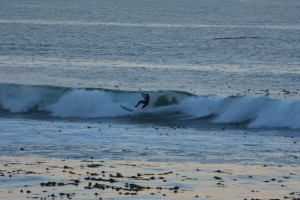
145	101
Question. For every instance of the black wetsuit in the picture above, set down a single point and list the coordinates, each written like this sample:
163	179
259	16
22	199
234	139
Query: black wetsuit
145	101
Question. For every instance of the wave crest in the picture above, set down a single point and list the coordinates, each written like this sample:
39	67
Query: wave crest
255	111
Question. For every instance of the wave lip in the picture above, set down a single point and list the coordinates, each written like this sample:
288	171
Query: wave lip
258	112
85	104
255	111
279	114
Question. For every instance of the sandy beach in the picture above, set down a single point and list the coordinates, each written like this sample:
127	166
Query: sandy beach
51	178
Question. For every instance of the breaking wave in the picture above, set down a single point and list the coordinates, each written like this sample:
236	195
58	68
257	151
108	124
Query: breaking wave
255	111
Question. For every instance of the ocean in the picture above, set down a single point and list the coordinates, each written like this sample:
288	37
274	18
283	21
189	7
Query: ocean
223	78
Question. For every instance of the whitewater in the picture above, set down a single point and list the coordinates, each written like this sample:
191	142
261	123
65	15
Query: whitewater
255	111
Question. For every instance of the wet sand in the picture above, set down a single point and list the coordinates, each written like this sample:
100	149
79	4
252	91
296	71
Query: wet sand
50	178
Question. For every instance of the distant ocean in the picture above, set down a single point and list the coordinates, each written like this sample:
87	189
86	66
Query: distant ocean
223	77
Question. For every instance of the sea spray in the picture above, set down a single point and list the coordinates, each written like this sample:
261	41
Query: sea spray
255	111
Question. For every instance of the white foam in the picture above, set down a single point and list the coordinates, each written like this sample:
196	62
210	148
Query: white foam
86	104
257	112
279	114
19	99
260	112
242	109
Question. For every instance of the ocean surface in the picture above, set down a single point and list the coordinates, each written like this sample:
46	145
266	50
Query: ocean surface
223	77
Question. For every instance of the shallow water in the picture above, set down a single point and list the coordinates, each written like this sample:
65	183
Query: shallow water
148	142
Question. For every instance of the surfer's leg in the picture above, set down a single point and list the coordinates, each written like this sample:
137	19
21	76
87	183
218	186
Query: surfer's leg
139	103
145	104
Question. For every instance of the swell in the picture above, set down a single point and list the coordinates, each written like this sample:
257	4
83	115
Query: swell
142	25
62	102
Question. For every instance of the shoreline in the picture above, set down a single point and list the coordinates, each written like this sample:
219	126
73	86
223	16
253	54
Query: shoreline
52	178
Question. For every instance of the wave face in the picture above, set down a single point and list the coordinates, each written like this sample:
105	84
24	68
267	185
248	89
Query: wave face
255	111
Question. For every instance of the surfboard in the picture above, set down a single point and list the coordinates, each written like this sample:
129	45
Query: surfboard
126	108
